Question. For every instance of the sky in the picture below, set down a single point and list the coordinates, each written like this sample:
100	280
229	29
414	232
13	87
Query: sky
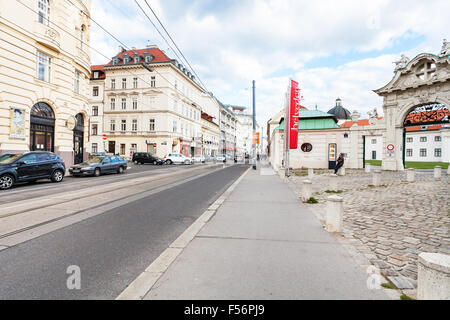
334	49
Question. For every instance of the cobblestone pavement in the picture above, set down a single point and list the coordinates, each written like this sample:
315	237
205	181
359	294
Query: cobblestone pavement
390	224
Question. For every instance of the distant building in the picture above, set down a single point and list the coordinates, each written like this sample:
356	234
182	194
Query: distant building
244	130
228	122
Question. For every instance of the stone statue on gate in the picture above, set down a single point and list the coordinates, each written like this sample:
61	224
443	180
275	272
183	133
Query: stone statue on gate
373	116
445	51
400	64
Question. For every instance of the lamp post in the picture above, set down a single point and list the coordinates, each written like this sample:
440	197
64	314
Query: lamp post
254	128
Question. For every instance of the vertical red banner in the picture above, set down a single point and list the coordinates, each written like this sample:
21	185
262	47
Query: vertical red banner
293	115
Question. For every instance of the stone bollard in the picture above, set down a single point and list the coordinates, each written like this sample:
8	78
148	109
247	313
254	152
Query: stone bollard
448	169
437	173
333	184
341	171
310	173
433	279
367	168
335	212
376	178
410	174
306	190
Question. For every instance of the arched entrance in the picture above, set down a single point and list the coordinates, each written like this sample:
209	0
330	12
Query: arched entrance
42	127
78	139
423	119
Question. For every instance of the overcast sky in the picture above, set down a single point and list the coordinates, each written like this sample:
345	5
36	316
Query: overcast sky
333	48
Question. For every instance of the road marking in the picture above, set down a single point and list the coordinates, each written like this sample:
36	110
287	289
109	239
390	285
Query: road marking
140	286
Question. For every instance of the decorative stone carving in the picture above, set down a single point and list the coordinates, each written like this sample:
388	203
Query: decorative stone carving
400	64
423	96
445	51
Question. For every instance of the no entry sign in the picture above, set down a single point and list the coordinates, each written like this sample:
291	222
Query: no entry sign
390	147
104	137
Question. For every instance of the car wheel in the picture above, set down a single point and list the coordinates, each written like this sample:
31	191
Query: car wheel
97	172
169	161
120	170
186	162
6	181
57	176
136	162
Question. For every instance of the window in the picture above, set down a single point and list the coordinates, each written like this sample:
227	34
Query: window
113	104
122	148
96	74
182	109
135	82
44	11
174	128
94	148
112	125
124	103
423	139
410	139
134	103
374	155
437	138
123	125
134	125
175	105
136	59
43	67
423	152
152	125
94	129
124	83
134	146
95	91
409	152
76	88
374	141
113	83
82	32
438	152
95	110
153	82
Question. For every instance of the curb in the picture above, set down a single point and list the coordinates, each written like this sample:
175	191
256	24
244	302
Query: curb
140	286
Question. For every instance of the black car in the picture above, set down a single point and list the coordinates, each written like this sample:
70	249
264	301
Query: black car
145	157
99	165
29	167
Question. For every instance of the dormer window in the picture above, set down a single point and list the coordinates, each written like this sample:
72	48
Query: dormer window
426	70
126	59
148	58
95	74
115	60
136	58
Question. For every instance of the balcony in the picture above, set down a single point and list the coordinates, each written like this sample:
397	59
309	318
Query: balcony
47	36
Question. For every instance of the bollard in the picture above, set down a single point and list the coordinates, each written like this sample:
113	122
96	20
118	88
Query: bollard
310	173
333	183
433	279
306	190
448	169
437	173
376	178
410	174
341	171
335	211
367	168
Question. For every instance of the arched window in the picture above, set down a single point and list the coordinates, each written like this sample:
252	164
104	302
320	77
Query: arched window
44	11
42	110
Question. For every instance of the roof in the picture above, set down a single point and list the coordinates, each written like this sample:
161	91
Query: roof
362	122
340	112
158	56
313	124
424	128
98	67
306	114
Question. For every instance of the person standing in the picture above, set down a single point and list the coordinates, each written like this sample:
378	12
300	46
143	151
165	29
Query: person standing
339	163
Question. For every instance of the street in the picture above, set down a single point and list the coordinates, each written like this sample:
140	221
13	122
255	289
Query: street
118	240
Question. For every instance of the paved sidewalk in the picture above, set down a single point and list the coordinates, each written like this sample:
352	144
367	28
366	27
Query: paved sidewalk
263	243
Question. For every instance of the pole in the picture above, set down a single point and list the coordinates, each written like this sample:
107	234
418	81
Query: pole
254	128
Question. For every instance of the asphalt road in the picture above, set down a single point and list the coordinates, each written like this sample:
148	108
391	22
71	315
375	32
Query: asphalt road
45	187
111	249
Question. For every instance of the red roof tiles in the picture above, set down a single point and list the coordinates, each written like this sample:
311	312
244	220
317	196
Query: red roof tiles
362	122
158	55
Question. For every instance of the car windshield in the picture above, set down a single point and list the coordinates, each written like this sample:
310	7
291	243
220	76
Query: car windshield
94	160
9	158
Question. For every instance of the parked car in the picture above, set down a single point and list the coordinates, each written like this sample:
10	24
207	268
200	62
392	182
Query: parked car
177	158
199	159
99	165
145	157
29	167
221	157
210	158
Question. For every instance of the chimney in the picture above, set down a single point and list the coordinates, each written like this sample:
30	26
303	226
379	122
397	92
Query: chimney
133	48
151	46
121	49
355	116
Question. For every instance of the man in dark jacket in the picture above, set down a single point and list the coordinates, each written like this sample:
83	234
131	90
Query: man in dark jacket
339	163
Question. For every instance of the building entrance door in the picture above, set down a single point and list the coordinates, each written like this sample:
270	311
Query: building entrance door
78	139
112	147
42	127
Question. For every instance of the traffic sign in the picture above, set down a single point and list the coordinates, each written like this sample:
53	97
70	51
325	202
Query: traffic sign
390	147
104	137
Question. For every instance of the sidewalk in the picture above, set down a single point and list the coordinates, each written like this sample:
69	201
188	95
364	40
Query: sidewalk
263	243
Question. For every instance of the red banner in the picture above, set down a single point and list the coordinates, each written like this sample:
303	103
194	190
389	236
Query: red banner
294	105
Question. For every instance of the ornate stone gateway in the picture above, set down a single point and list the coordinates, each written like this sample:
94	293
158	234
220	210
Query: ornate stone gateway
422	83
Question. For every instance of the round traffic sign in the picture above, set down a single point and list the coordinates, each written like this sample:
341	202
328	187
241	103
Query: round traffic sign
104	137
390	147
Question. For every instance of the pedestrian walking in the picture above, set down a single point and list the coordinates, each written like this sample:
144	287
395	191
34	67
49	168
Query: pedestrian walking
339	163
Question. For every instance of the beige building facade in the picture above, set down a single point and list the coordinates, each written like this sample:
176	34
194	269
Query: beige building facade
44	73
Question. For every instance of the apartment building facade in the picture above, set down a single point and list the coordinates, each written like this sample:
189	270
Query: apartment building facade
227	124
44	74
